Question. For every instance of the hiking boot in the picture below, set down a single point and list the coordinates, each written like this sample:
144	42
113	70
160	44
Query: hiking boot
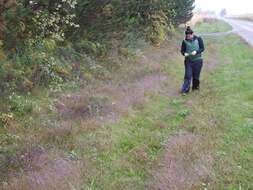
195	89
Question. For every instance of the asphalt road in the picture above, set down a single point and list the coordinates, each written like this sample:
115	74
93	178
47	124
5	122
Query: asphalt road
242	28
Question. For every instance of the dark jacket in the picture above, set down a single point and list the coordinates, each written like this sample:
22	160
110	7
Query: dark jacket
201	46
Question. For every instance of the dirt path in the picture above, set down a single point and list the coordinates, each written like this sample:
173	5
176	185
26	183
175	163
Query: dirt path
184	165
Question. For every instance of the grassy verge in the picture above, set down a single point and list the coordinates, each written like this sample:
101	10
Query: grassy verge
223	115
116	156
220	113
212	26
123	155
125	152
234	132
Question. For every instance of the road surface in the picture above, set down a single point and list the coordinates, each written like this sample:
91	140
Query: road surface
242	28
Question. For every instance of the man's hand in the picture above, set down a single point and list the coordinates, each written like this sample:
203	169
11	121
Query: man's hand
194	53
186	54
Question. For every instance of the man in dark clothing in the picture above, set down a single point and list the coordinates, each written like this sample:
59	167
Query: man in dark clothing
192	48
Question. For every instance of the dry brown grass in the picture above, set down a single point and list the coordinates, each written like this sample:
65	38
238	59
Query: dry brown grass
61	135
42	170
107	102
186	164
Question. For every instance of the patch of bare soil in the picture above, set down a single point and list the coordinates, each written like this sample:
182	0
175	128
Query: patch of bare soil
42	170
212	61
108	102
184	167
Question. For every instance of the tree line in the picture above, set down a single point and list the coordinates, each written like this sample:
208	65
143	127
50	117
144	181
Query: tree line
71	19
44	42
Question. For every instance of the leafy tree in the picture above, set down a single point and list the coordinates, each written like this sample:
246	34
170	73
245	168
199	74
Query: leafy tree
38	19
56	18
183	10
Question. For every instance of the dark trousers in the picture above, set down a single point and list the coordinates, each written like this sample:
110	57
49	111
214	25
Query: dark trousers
192	74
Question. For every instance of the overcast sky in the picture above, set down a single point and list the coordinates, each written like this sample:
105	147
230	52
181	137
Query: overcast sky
232	6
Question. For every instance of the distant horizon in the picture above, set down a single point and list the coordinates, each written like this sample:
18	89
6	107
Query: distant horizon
235	7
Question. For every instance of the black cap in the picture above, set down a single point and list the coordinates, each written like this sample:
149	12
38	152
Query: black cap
188	30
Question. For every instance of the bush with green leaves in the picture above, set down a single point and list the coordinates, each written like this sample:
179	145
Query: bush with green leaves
38	19
34	65
19	105
144	16
36	31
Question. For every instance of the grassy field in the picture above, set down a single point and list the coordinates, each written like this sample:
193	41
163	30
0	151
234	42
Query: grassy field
221	114
238	134
207	135
224	115
212	26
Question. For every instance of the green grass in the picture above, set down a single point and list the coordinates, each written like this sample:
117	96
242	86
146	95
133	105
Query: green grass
212	27
124	154
126	151
223	114
233	84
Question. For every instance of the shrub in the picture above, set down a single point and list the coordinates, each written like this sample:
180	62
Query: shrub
20	105
6	119
2	53
158	28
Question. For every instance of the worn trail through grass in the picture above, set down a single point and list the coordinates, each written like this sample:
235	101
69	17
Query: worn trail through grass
136	131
